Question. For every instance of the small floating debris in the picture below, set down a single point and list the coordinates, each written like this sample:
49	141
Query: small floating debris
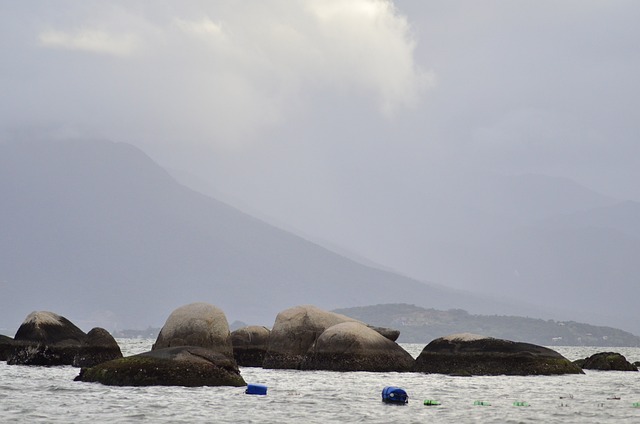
256	389
431	402
481	403
520	403
393	394
636	404
566	397
613	398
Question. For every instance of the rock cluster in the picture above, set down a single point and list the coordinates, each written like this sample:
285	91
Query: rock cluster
46	338
470	354
306	337
192	349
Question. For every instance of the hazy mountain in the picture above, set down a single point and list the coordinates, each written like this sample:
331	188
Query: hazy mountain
96	231
545	240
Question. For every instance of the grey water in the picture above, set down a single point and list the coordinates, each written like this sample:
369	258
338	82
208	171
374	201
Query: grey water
49	395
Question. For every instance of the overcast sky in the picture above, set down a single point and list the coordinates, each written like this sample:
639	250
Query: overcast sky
317	112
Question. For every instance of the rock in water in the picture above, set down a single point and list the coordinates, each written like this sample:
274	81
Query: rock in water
196	324
189	366
470	354
352	346
192	349
296	329
293	333
46	338
6	345
100	346
250	345
606	361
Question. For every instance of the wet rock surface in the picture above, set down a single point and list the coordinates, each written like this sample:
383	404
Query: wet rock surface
469	354
189	366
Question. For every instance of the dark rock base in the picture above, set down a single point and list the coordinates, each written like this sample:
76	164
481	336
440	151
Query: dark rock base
180	366
480	364
249	357
352	362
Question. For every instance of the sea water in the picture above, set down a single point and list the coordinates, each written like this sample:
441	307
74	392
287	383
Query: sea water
30	394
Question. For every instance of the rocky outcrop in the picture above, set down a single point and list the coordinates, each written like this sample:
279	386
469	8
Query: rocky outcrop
196	324
606	361
189	366
470	354
296	329
6	345
353	346
192	349
45	338
250	345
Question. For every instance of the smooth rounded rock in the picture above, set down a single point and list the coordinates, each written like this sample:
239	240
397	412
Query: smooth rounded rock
470	354
196	324
99	346
294	332
250	345
353	346
606	361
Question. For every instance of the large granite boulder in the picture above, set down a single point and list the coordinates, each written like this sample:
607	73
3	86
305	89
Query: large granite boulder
352	346
470	354
196	324
250	345
192	349
46	338
189	366
296	329
6	345
606	361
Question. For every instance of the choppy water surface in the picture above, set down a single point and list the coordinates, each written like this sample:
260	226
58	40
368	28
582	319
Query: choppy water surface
38	394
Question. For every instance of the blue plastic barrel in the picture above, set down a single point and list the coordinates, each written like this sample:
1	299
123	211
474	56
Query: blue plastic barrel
256	389
392	394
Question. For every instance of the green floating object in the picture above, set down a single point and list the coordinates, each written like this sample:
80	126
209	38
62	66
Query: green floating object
481	403
520	404
430	402
636	404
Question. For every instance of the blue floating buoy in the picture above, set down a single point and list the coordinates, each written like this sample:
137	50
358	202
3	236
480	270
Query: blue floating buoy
256	389
392	394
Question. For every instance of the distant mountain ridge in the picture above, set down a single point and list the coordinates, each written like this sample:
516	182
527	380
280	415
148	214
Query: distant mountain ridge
543	240
420	325
96	231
